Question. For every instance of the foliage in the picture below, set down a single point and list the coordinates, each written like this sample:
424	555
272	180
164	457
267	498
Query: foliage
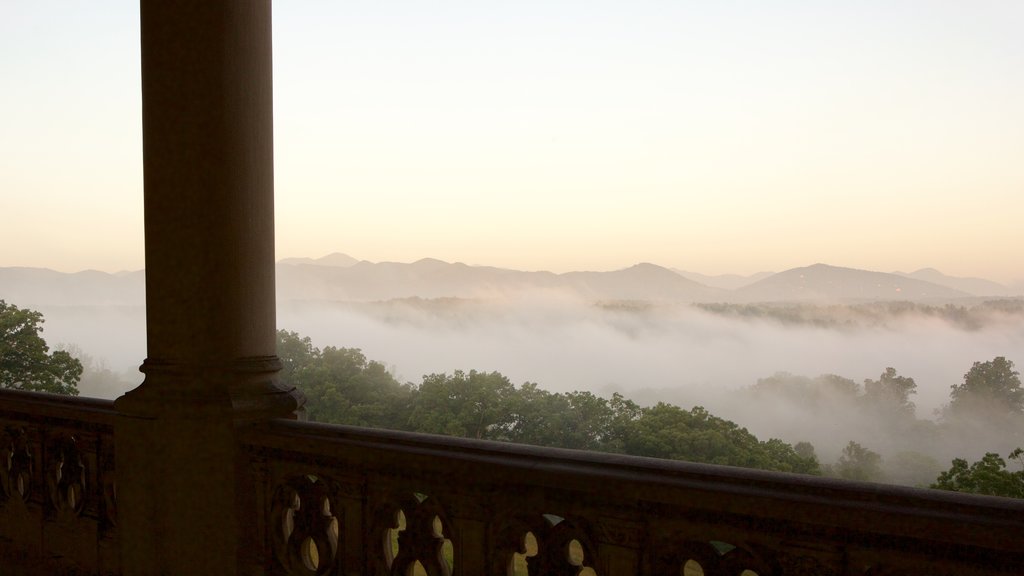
474	405
667	431
536	416
340	384
858	463
824	392
888	396
805	450
579	420
26	362
890	393
991	387
342	387
986	476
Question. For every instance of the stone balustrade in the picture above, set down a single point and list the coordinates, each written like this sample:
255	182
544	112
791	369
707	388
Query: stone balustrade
344	500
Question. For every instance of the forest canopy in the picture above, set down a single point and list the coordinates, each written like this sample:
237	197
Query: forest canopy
343	387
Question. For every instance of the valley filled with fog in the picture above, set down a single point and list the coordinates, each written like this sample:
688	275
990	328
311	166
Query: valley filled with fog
677	354
709	351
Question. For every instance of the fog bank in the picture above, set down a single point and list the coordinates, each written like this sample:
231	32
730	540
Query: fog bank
676	353
673	353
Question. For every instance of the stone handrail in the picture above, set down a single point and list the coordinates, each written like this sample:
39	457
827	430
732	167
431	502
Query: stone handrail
57	501
347	500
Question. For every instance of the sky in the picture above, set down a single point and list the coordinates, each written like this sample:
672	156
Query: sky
715	137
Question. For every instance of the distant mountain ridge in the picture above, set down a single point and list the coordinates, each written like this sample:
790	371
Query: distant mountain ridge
339	277
27	287
430	278
725	281
976	286
833	283
336	259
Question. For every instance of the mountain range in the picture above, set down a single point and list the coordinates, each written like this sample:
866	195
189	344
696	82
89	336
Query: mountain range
339	277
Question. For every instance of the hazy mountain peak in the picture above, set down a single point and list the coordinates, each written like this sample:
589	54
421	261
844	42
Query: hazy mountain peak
836	283
334	259
431	263
337	259
649	267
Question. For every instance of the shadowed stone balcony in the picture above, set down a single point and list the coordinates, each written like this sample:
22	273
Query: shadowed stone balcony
202	469
347	500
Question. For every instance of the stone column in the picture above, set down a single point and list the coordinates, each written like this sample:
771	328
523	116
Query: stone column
183	498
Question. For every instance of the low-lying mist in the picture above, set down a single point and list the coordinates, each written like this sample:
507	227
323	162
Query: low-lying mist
678	353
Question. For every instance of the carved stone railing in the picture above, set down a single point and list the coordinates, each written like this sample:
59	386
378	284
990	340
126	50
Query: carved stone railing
57	502
351	501
345	500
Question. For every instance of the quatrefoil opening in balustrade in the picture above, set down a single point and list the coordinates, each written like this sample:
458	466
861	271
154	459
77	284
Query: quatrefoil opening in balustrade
66	477
305	529
548	545
15	464
416	541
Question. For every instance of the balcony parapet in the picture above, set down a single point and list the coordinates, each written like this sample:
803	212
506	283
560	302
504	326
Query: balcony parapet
612	514
58	509
346	500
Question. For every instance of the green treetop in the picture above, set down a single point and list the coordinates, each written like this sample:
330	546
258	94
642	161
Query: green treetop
26	362
986	476
989	387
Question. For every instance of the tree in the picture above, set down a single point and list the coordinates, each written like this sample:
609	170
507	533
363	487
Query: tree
989	388
624	413
805	450
986	476
297	353
341	386
26	362
826	392
890	394
473	405
668	431
858	463
535	416
588	422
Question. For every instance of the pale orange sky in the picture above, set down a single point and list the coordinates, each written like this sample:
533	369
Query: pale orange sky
712	137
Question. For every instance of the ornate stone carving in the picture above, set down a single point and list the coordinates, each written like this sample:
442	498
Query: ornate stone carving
66	477
620	532
546	545
304	528
15	464
414	529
